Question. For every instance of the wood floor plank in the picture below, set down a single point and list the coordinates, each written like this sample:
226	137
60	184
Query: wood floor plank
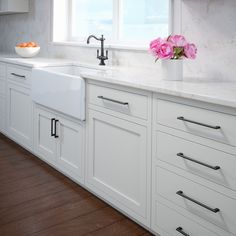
124	227
18	175
52	217
37	206
26	183
17	166
22	196
15	156
39	191
84	224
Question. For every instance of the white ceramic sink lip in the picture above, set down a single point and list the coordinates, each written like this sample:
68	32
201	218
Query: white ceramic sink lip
82	68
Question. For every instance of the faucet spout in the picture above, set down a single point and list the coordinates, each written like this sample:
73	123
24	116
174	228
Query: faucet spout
92	36
102	57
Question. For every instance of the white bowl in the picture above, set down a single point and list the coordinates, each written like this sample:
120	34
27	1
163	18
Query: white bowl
27	52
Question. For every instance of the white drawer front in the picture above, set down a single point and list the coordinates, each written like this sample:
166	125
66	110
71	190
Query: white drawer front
222	125
168	184
19	75
174	223
2	71
219	168
120	101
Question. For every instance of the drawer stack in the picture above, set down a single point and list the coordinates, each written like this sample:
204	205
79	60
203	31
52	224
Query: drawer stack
194	177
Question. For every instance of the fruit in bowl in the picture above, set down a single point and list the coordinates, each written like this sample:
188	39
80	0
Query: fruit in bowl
28	49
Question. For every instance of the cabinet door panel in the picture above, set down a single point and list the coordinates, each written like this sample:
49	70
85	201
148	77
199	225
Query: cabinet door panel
45	144
70	148
20	115
118	162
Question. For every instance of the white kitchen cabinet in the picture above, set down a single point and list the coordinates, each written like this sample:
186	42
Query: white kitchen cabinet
193	167
70	148
44	142
13	6
118	163
60	142
19	115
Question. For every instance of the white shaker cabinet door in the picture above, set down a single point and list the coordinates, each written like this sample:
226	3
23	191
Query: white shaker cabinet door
70	148
44	142
19	115
118	163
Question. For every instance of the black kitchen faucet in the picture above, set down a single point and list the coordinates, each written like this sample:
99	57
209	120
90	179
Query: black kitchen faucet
102	56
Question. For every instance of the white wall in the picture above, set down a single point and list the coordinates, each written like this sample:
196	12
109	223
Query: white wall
208	23
26	27
212	25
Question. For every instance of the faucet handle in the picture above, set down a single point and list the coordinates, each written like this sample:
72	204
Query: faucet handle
106	54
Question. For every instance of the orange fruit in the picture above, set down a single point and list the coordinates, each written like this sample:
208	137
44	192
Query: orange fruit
27	44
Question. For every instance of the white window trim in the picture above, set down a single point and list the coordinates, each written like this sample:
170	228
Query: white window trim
175	22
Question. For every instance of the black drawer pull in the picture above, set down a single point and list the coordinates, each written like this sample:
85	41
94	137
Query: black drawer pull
180	230
198	162
180	193
17	75
52	122
55	129
112	100
198	123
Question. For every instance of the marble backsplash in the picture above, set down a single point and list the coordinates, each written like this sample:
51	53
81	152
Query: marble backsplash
208	23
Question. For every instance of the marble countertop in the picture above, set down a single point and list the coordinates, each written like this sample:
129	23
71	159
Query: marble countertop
33	62
215	92
206	90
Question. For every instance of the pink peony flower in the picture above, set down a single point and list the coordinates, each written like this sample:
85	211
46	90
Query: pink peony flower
190	50
174	47
177	40
166	51
155	45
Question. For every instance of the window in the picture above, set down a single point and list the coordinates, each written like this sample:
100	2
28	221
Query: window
91	17
129	22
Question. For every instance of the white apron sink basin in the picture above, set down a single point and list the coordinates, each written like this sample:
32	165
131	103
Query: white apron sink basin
60	88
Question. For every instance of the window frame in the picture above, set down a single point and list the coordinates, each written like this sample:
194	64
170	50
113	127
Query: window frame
175	20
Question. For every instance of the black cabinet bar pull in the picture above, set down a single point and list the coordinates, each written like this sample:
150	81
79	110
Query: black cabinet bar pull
17	75
112	100
180	193
55	129
52	122
198	123
180	230
198	162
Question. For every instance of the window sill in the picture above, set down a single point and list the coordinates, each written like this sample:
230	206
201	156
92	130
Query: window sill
107	46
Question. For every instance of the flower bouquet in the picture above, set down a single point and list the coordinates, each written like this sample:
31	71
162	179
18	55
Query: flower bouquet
172	50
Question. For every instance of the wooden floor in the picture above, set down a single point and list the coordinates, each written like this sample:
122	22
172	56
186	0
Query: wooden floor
37	200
